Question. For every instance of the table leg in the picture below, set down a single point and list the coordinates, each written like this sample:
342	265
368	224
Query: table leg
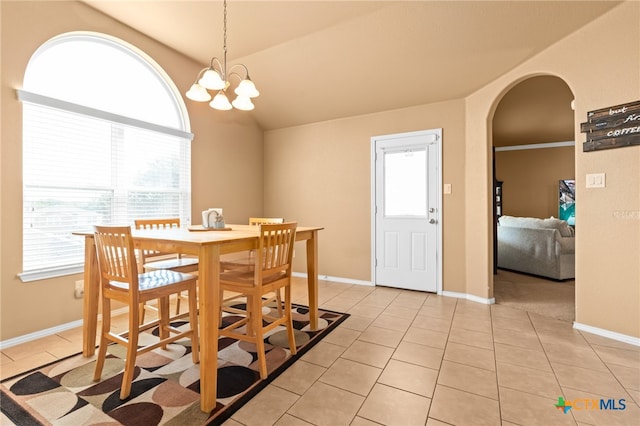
312	278
91	297
209	307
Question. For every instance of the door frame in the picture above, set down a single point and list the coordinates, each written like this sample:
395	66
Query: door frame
374	139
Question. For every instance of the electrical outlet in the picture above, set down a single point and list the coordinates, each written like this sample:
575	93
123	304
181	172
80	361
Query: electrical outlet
79	291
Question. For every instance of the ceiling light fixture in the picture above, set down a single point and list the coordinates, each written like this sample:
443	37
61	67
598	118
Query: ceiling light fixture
215	77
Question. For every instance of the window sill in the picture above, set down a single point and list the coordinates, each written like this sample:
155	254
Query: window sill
45	274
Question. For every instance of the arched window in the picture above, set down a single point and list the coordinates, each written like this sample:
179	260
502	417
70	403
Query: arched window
105	141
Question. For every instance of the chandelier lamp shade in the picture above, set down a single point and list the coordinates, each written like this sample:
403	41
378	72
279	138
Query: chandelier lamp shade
217	78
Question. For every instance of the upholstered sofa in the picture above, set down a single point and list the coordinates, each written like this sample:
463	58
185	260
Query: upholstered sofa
544	247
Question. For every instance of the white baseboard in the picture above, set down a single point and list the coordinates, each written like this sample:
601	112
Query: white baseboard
471	297
4	344
335	279
635	341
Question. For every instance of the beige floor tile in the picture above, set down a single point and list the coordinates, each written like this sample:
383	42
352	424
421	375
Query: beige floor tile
524	357
478	310
457	407
27	349
414	353
266	407
339	304
411	299
4	359
502	311
351	376
409	377
289	420
327	405
228	422
358	323
466	322
437	311
426	337
431	323
378	299
469	379
610	343
396	310
617	356
381	336
299	377
587	380
517	324
529	380
470	355
342	336
526	409
629	416
392	322
324	354
366	311
516	338
628	377
563	337
471	338
391	406
368	353
575	355
551	324
434	422
361	421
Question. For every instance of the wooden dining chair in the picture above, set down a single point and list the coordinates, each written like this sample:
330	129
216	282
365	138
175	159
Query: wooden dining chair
271	272
244	261
120	281
151	260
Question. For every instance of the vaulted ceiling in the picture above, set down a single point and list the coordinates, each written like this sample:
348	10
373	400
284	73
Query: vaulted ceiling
320	60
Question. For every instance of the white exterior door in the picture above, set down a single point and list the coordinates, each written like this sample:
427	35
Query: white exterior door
406	210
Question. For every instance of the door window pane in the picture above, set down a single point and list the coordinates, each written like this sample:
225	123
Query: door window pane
405	183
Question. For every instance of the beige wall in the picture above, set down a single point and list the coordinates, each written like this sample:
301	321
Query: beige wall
320	174
226	152
531	178
608	241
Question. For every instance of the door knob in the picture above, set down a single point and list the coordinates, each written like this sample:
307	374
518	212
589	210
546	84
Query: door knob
432	221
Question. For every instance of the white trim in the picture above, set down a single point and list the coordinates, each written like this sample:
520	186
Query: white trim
335	279
535	146
43	274
4	344
470	297
34	98
635	341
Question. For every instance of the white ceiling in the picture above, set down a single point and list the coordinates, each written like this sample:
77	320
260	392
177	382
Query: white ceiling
320	60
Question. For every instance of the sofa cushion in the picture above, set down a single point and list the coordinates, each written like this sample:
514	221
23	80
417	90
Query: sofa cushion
533	222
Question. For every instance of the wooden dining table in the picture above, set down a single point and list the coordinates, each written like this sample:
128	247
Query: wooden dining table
207	245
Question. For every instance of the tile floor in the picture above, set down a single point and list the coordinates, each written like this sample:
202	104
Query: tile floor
411	358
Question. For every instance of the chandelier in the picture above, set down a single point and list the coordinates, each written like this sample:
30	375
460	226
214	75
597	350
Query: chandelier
217	76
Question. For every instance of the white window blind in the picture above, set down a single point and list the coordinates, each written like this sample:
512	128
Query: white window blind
80	171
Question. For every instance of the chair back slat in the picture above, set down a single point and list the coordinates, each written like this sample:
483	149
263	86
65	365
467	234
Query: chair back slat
116	255
275	250
166	223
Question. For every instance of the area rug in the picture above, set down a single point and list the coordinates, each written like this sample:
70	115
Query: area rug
166	384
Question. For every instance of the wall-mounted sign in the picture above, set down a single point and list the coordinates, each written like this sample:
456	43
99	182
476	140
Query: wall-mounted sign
612	127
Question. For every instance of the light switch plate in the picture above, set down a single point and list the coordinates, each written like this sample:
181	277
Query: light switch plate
596	180
446	188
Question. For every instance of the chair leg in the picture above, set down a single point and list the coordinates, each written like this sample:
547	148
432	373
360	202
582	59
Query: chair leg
106	328
290	330
256	321
178	297
279	302
193	321
163	315
142	311
132	352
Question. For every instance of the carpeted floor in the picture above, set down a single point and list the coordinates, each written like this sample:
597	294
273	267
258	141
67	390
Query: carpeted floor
554	299
166	383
